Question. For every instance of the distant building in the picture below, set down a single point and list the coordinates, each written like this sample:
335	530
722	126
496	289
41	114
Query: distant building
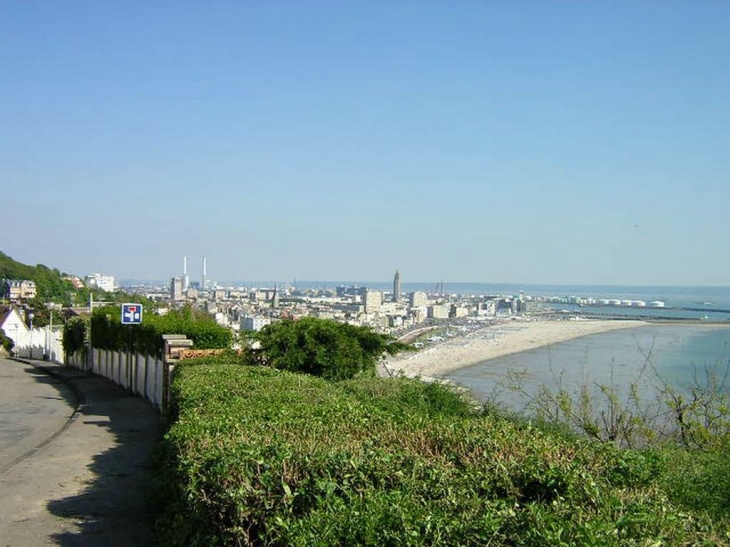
396	287
439	312
458	311
275	298
343	291
418	299
255	323
99	281
372	301
18	289
176	289
75	281
487	308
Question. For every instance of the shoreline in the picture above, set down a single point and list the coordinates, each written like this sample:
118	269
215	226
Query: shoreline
497	340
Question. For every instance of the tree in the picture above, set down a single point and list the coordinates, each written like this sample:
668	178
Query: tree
321	347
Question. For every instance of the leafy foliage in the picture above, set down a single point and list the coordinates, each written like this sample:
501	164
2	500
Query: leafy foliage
49	283
5	342
51	286
75	334
264	457
109	333
696	417
321	347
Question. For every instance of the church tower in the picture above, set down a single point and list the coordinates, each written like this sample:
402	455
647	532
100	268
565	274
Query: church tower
396	287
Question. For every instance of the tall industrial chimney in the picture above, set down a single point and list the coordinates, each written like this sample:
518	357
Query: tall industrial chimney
185	279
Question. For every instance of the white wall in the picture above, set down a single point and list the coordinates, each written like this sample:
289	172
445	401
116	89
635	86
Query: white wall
38	343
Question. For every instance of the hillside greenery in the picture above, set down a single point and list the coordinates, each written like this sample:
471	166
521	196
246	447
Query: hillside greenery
50	283
259	456
51	286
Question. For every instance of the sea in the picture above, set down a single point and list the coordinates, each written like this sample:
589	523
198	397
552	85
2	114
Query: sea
649	358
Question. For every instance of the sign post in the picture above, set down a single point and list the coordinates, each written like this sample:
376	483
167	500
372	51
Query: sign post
131	315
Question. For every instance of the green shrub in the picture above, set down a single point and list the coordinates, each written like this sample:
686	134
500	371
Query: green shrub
108	332
6	343
260	456
321	347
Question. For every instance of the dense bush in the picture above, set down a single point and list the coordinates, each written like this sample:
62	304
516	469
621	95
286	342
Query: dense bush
6	343
322	347
75	334
108	332
265	457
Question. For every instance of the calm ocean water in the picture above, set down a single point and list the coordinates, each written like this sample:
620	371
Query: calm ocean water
682	355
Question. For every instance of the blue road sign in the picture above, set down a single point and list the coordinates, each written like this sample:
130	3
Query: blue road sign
131	314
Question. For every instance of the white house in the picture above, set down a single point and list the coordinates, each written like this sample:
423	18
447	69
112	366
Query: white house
19	289
14	327
38	343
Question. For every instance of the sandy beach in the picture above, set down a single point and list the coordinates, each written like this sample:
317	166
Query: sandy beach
495	341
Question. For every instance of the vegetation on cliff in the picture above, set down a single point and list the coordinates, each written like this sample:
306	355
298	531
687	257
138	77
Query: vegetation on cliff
52	285
259	456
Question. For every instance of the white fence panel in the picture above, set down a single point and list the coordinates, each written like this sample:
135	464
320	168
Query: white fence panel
140	374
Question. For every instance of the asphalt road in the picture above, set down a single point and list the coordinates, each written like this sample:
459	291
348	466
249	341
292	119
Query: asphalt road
74	459
33	408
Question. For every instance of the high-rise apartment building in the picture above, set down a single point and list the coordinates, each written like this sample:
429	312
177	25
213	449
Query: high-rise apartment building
418	299
176	289
372	301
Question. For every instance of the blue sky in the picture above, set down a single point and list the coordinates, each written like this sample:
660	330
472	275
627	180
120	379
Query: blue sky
507	142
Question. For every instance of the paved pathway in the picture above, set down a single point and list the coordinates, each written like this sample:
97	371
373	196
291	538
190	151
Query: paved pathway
78	474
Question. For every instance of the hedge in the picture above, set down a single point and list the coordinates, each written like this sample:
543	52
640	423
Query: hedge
107	332
259	456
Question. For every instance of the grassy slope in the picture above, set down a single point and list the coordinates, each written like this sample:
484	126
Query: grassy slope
263	457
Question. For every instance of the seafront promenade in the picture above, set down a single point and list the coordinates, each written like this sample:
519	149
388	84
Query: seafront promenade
502	338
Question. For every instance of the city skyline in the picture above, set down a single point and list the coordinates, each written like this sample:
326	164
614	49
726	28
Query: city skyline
535	143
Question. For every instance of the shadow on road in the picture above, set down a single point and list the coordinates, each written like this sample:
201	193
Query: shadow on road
120	433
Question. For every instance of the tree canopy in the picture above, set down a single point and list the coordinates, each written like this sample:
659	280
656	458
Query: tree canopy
322	347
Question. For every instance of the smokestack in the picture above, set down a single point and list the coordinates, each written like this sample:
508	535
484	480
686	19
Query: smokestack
185	273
